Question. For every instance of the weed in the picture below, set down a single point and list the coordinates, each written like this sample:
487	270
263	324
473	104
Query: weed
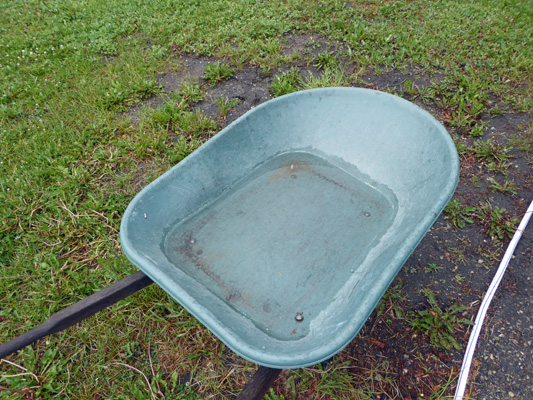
43	382
497	220
295	56
432	268
440	325
492	154
495	111
313	44
267	54
521	103
340	379
506	187
291	81
477	129
217	72
174	108
462	148
438	394
182	147
454	254
168	112
458	278
465	97
457	214
132	350
492	252
160	52
460	118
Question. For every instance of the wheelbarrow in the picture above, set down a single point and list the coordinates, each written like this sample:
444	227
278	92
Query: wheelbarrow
283	232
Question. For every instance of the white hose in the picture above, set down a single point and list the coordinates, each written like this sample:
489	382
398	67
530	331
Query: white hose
469	353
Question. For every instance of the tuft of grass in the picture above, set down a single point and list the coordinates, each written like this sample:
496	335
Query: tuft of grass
326	60
119	96
226	105
217	72
465	96
190	92
439	393
410	87
291	81
286	83
492	154
330	77
168	112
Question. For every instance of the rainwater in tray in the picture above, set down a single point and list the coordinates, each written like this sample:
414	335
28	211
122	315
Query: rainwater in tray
305	228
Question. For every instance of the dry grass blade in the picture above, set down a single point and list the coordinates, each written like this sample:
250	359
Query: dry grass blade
152	394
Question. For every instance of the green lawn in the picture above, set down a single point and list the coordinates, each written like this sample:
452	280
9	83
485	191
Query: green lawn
71	158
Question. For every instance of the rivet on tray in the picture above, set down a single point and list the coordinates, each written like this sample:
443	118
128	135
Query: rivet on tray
299	317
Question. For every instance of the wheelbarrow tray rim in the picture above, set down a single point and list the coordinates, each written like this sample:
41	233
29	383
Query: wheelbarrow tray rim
334	344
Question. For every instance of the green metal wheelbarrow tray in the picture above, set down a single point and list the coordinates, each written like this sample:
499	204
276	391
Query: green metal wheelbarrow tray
283	232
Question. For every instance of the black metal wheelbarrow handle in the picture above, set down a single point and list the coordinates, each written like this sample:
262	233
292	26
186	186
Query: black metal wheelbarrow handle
255	389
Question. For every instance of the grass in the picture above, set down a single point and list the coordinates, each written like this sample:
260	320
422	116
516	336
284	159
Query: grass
226	105
72	158
217	72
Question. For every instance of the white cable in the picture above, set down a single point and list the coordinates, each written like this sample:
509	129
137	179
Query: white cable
469	353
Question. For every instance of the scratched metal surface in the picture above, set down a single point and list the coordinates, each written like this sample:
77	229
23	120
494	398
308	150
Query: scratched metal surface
282	242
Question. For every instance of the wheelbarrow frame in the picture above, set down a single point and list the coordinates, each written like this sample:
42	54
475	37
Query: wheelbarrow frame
255	389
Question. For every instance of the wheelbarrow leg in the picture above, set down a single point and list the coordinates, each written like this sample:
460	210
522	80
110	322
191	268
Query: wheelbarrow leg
79	311
257	387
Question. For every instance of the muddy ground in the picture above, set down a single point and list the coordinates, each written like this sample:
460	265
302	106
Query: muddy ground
468	257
